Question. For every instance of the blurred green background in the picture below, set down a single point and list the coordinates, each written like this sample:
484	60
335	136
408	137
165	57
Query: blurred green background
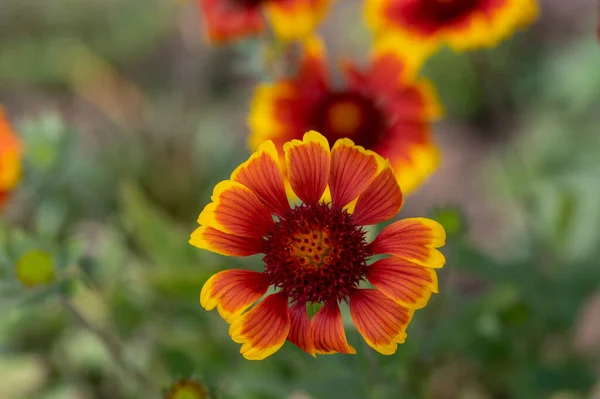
129	120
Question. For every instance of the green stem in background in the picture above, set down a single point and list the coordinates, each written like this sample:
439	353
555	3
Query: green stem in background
115	349
492	84
374	375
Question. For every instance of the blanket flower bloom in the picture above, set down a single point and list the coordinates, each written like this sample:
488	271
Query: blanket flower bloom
315	253
463	24
10	159
227	20
383	108
187	389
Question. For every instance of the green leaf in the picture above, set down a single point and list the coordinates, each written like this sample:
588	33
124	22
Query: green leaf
157	237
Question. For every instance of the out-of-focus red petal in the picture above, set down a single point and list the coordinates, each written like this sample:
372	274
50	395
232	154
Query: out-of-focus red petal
224	21
463	25
10	156
295	19
312	80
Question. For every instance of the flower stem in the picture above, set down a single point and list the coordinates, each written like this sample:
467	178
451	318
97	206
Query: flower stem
114	347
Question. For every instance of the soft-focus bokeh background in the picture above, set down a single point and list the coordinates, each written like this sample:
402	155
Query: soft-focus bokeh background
129	119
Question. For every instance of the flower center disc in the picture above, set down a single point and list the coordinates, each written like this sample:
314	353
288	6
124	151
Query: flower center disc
446	10
312	249
348	114
315	253
247	4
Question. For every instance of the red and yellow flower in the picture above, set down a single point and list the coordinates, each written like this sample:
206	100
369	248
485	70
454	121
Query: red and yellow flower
315	253
383	108
463	24
226	20
10	159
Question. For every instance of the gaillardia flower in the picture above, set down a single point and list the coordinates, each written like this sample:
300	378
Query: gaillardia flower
315	253
383	108
187	389
463	24
227	20
10	159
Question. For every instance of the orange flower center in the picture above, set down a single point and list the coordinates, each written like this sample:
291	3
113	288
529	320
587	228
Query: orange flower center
312	249
315	253
344	117
348	114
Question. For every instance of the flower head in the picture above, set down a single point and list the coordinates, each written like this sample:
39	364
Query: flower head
35	268
463	24
10	159
227	20
187	389
383	108
316	252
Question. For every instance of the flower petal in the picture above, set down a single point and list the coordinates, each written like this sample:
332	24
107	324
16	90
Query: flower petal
380	201
300	332
381	321
264	329
295	19
413	162
308	163
328	330
224	22
409	105
279	110
396	57
266	119
236	210
413	239
352	169
205	237
475	25
406	283
233	291
312	80
10	155
262	174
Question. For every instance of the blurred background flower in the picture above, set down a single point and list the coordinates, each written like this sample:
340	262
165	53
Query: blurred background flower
187	389
10	159
462	24
228	20
127	121
385	107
